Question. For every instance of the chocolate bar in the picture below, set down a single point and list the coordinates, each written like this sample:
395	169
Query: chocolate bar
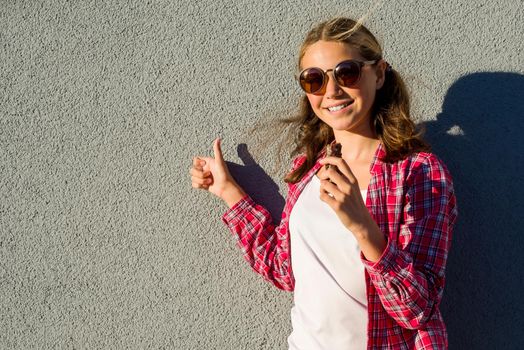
333	151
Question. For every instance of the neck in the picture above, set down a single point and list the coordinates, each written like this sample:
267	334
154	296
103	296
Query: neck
357	147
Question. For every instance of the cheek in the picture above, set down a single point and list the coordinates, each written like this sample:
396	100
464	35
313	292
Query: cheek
368	92
315	101
368	96
312	98
364	98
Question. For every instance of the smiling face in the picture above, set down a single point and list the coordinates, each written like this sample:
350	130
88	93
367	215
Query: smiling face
343	108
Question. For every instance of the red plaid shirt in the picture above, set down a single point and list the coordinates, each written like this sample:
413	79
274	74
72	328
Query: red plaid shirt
413	203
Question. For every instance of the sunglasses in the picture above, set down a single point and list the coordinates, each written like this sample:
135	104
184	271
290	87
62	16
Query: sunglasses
346	74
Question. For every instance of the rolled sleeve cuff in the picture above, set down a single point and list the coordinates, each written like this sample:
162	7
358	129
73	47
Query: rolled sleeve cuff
385	263
234	214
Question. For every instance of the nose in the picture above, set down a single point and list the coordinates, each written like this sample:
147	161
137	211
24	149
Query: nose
332	87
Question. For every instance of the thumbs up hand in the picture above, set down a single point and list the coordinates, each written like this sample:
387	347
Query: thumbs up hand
212	174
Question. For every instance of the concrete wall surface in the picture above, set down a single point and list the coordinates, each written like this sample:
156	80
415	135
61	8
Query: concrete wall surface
103	104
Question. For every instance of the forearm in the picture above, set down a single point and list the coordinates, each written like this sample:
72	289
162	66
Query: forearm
408	292
263	245
371	240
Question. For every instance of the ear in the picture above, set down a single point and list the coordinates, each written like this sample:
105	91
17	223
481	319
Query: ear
381	73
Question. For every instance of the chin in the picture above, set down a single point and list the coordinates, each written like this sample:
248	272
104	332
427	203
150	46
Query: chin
351	126
342	124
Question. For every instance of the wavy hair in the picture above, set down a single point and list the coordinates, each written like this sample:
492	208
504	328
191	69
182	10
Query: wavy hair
390	112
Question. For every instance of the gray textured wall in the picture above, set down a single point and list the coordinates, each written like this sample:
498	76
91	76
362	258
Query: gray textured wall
103	242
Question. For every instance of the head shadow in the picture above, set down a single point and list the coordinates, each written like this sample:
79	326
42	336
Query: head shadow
478	135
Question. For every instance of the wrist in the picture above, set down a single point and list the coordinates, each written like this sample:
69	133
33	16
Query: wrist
232	194
371	240
364	229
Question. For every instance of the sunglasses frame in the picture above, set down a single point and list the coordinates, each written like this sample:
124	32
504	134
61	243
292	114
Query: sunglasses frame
360	64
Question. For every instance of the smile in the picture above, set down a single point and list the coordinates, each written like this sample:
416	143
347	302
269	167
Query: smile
339	107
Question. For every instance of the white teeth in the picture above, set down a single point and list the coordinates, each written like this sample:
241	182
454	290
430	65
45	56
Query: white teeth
339	107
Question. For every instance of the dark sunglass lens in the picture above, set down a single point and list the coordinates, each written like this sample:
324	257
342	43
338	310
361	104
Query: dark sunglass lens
311	80
347	73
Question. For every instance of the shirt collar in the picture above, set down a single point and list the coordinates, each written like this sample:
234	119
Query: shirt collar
377	161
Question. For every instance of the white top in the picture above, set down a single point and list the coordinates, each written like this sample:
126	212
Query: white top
330	303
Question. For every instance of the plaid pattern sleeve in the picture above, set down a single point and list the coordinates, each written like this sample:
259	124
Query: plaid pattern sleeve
264	246
409	276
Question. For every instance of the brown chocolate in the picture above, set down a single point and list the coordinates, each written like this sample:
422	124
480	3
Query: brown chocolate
333	151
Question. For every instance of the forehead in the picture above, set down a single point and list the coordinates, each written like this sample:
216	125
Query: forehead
326	54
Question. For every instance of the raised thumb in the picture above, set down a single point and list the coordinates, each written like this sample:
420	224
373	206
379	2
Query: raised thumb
218	151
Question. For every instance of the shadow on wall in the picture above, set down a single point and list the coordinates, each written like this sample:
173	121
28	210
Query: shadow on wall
479	137
255	181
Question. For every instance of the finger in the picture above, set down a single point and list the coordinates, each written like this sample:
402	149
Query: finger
333	175
322	173
201	181
341	165
204	187
198	163
327	197
336	177
199	173
330	188
326	172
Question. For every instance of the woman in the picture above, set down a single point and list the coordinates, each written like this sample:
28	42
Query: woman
363	244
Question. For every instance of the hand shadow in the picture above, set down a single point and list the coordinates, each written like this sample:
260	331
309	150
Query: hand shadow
479	137
257	183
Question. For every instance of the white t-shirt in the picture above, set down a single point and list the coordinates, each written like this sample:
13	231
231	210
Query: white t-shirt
330	303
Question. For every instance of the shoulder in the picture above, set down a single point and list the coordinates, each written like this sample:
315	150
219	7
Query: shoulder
426	176
430	185
425	165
